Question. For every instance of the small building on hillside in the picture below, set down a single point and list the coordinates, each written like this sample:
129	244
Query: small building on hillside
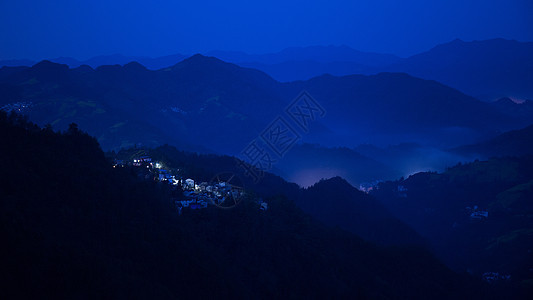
477	214
141	161
164	175
189	183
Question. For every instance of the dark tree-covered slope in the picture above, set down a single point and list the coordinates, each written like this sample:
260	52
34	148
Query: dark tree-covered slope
73	227
442	208
512	143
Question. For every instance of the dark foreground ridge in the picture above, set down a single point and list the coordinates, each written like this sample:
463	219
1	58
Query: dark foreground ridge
74	227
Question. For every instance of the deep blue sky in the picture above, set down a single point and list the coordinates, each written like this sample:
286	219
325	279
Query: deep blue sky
52	28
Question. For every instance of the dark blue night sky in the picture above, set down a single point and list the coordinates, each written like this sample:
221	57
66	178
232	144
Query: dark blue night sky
41	29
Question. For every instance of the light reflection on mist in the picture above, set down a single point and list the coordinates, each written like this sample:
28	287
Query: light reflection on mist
428	159
399	162
308	177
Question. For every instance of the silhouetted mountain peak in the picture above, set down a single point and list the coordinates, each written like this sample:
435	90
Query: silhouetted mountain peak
338	183
47	65
200	58
108	68
83	69
134	66
200	62
334	201
505	101
214	68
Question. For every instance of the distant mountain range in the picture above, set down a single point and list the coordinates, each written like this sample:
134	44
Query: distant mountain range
488	69
201	100
319	54
126	105
102	60
207	105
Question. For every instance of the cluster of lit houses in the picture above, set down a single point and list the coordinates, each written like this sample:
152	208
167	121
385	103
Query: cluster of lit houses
196	195
494	276
477	214
18	107
200	195
367	187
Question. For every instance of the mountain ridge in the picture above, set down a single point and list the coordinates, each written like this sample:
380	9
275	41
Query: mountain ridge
98	229
486	69
512	143
204	90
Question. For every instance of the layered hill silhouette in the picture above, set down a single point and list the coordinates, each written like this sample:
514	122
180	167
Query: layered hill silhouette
487	69
356	212
335	202
306	164
199	102
512	143
477	216
95	229
523	109
153	63
322	54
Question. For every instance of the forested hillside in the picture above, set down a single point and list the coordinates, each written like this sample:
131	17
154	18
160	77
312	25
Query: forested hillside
74	227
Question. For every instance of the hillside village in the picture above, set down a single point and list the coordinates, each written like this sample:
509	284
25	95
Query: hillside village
188	193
